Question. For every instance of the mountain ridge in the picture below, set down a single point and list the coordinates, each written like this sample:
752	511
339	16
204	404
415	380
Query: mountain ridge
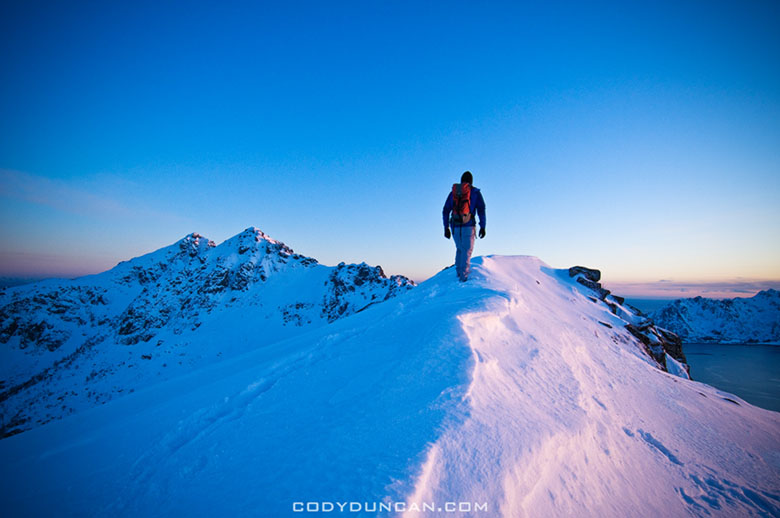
522	389
739	320
98	336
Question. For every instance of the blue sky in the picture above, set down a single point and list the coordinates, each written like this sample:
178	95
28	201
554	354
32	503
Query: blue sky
643	140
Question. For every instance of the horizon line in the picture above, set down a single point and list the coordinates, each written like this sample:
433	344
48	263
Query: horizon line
662	289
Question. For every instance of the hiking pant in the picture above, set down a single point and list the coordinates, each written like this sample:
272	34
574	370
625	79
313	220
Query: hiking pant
464	245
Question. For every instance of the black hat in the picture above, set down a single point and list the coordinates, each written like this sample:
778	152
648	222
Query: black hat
467	178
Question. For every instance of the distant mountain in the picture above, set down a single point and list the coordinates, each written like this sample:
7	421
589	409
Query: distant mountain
527	391
739	320
68	345
8	282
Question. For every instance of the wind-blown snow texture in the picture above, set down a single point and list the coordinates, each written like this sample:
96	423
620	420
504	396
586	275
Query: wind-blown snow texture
741	320
518	389
68	345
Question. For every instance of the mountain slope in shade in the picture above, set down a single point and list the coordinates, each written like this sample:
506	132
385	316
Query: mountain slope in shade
67	345
741	320
517	390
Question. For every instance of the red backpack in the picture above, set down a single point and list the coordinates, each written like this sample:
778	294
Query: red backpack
461	203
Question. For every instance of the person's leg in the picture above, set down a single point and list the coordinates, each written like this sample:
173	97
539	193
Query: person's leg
456	236
468	247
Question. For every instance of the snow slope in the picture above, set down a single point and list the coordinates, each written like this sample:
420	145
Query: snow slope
741	320
68	345
517	391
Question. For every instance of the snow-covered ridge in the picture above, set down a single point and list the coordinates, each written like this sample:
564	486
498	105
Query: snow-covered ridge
740	320
67	345
522	390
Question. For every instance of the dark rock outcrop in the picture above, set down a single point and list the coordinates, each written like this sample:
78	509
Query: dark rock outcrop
348	279
589	278
589	273
656	341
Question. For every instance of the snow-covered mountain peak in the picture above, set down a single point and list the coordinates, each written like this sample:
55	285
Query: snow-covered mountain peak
253	242
741	320
195	246
770	294
258	235
255	235
195	243
188	252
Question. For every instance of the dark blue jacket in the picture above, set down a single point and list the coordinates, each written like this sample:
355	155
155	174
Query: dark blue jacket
477	205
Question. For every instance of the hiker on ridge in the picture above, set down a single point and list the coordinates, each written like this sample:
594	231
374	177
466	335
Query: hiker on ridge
463	201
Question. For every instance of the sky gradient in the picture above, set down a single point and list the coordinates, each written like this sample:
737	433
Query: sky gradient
643	140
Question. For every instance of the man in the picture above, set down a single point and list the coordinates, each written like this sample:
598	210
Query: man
462	202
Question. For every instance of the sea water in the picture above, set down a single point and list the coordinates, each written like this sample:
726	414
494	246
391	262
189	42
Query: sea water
750	371
649	305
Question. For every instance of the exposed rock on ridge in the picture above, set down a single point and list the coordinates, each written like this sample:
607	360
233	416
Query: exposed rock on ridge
659	343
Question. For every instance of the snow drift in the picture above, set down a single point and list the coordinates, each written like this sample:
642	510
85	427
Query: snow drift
518	393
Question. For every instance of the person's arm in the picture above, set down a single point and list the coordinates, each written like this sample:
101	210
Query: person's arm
445	213
481	211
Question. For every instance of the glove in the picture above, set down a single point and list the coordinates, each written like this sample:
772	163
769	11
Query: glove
447	233
481	233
